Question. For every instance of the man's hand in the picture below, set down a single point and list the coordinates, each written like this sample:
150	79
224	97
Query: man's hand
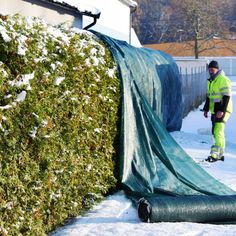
219	114
205	114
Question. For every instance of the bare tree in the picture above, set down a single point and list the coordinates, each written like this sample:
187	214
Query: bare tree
152	21
200	20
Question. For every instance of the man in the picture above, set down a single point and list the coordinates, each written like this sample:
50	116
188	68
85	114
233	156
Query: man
219	103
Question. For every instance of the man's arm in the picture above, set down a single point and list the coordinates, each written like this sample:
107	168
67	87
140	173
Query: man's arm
206	107
225	101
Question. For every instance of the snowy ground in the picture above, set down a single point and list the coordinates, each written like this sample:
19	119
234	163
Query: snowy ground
117	217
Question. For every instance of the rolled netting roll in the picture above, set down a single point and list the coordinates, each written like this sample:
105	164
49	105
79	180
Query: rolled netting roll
201	209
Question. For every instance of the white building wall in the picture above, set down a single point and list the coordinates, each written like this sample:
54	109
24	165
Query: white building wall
52	16
114	20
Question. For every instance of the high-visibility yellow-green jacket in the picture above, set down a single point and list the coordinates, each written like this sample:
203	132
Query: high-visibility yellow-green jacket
217	88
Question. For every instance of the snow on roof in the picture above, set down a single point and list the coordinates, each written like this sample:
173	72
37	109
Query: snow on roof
130	3
79	5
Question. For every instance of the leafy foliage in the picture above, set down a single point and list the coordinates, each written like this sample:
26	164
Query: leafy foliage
59	99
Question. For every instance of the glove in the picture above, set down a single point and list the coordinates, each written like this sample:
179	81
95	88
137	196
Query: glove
219	114
205	114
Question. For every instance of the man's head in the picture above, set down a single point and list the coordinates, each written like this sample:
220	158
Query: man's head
213	67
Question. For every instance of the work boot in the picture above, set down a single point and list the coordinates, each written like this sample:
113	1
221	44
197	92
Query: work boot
221	152
215	152
211	159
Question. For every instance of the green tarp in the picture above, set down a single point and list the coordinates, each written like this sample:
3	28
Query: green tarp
156	76
152	164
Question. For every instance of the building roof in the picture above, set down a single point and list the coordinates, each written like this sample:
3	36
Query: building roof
76	5
86	9
130	3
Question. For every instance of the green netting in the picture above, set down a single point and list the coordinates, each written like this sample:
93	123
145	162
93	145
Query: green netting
201	209
152	164
156	74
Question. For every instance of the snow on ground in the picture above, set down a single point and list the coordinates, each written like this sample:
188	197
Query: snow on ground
117	217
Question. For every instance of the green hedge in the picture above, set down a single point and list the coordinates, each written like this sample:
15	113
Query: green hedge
59	99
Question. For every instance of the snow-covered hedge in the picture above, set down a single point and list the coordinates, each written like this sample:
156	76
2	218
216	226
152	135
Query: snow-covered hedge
59	99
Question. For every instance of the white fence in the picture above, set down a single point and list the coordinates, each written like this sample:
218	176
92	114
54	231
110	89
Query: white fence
189	66
193	76
227	64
